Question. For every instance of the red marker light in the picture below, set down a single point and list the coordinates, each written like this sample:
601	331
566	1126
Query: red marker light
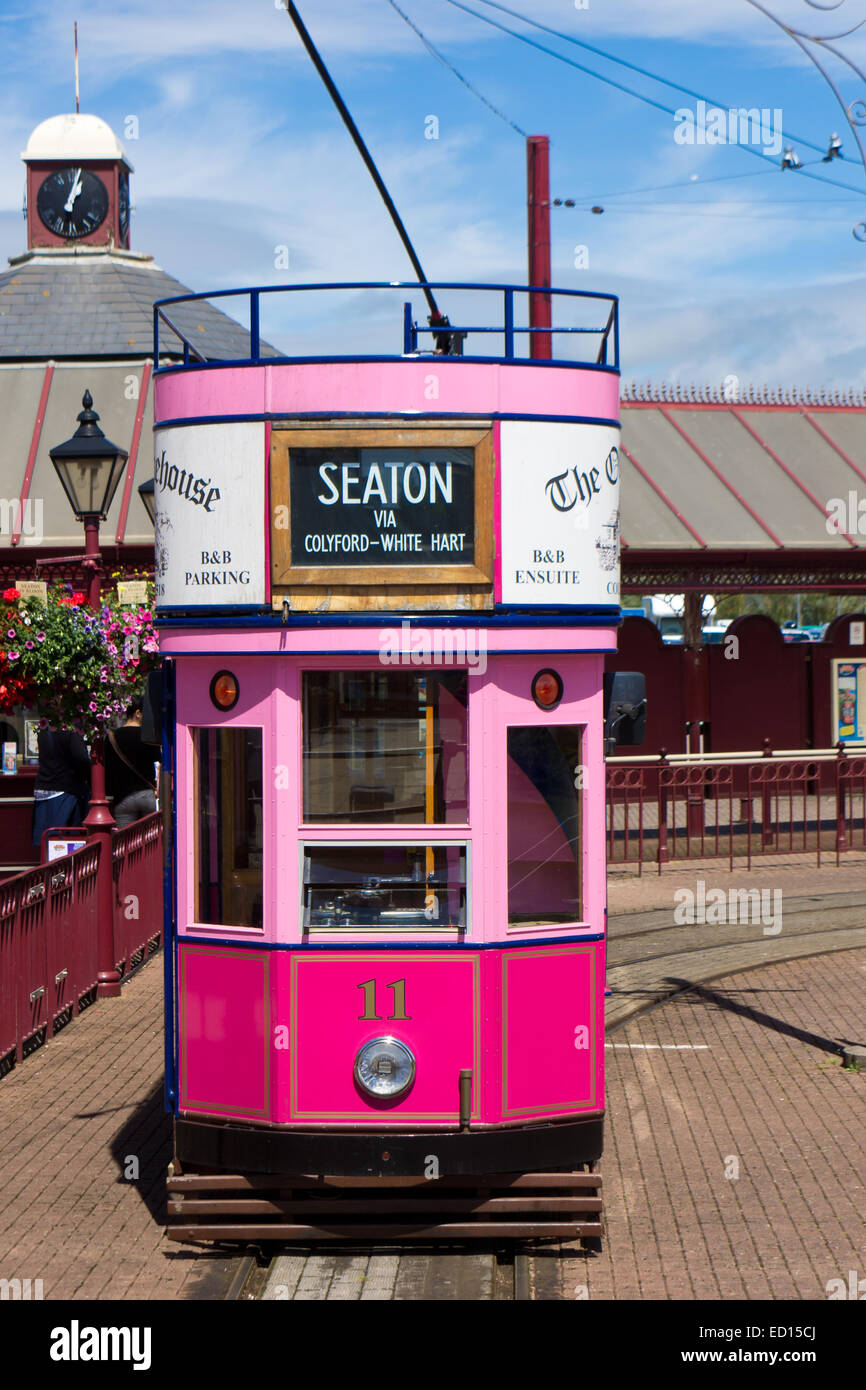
224	690
547	689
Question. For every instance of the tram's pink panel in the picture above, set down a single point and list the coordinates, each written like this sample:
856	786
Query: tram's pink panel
354	388
346	643
225	1041
443	1031
552	1031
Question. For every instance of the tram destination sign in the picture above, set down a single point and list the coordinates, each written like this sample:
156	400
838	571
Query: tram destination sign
412	505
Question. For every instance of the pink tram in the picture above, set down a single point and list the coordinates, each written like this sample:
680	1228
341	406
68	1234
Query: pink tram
386	586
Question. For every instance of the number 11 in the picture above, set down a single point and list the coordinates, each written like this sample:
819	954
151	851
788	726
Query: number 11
399	990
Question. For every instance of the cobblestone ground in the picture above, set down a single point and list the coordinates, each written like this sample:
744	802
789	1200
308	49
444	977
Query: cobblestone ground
734	1163
733	1168
74	1117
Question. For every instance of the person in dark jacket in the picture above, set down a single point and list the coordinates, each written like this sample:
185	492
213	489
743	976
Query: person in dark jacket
62	788
129	770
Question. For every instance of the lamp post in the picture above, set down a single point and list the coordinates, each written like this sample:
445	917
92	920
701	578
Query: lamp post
147	492
90	467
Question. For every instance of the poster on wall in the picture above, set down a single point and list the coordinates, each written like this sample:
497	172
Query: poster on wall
209	490
849	702
560	513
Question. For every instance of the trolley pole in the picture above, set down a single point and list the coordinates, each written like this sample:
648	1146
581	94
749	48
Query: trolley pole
538	213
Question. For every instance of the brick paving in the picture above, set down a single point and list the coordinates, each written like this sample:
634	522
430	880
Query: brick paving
795	874
72	1117
768	1091
735	1172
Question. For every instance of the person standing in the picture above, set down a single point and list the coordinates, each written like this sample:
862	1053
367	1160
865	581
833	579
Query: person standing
62	788
129	777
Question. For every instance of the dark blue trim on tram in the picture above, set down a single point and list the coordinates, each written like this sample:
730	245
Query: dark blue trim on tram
169	763
388	945
178	421
595	616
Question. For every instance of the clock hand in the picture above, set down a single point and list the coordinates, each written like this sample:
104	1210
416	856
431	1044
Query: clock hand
73	192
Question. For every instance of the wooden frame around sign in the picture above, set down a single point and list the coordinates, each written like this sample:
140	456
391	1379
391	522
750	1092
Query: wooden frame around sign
285	575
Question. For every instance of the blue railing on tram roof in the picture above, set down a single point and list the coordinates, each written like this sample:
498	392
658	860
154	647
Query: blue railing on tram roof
607	332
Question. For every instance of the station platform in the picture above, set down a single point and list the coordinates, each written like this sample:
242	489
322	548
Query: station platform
733	1165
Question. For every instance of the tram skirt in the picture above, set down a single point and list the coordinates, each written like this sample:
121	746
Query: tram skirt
209	1202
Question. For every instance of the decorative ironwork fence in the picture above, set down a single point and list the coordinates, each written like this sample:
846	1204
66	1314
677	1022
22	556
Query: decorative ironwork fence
687	806
49	943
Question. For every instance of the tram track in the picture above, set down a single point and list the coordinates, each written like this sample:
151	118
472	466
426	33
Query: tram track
369	1274
640	983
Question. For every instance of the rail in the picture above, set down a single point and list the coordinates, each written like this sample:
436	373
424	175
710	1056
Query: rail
49	941
446	338
664	809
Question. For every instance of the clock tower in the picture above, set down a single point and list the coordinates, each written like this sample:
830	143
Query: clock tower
77	185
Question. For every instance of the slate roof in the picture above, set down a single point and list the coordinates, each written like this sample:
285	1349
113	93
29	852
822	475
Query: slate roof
99	305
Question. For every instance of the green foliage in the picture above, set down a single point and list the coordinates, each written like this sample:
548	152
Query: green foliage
81	668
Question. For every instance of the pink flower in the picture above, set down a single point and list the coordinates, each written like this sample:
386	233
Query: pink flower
12	632
93	706
12	656
40	637
29	646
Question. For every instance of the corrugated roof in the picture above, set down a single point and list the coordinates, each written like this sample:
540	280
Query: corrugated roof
69	304
744	476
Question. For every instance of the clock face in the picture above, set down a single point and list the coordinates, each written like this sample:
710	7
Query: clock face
123	209
72	202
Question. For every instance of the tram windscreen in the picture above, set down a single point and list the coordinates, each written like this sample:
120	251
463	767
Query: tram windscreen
229	826
399	886
385	747
544	822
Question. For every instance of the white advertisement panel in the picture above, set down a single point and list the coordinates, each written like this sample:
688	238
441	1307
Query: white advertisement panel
209	488
559	513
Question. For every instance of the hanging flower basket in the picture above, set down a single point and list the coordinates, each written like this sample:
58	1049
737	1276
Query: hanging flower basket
79	667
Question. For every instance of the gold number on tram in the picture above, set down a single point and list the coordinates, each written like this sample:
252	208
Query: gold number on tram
369	988
398	987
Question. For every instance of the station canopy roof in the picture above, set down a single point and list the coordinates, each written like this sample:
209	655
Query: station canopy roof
721	493
82	319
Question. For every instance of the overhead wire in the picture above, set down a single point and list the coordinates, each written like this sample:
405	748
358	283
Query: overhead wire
624	62
640	96
440	57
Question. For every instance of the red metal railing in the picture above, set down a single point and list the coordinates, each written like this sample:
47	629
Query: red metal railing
49	961
136	854
664	809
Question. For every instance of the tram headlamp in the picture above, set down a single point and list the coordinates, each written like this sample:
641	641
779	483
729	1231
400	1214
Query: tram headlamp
547	689
384	1068
224	690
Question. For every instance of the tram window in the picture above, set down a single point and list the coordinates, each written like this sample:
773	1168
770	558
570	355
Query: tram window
406	887
229	821
385	747
544	813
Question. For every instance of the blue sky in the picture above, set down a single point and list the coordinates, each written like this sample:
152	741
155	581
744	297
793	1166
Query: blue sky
735	268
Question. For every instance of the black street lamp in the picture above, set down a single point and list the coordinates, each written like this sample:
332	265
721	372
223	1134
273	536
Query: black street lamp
147	494
90	467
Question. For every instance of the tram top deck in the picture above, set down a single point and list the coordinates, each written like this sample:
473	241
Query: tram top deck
459	477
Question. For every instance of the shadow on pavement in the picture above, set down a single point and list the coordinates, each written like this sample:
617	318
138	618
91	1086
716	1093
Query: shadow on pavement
721	1000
